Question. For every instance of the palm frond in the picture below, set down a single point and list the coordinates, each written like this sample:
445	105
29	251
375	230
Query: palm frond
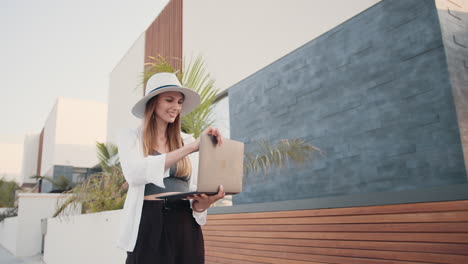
70	200
61	182
156	65
107	155
268	156
194	76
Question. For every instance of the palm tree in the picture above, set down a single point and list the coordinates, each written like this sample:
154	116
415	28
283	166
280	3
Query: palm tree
7	192
7	198
101	191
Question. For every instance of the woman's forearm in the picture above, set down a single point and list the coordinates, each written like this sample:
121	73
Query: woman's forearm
174	156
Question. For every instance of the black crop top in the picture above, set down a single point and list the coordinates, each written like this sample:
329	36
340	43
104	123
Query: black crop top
172	183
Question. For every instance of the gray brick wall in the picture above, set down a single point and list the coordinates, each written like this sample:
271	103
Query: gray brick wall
374	93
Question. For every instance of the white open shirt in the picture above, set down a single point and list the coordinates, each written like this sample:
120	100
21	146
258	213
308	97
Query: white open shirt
138	171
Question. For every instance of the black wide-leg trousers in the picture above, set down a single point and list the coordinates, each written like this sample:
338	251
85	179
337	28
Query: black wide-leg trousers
168	234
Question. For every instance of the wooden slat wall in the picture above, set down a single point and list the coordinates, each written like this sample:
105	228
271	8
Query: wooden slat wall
39	154
164	36
435	232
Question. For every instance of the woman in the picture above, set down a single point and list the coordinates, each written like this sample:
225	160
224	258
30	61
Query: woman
157	158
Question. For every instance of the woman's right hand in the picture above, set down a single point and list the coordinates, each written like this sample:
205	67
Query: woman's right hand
209	131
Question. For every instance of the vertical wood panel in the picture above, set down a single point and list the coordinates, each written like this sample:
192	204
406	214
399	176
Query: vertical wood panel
164	35
39	154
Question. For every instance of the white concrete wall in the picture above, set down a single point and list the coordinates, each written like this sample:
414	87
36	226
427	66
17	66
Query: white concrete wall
238	38
8	231
89	238
221	116
11	155
48	143
30	156
123	89
80	123
32	207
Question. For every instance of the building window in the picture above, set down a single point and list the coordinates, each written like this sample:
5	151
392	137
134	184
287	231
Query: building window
79	175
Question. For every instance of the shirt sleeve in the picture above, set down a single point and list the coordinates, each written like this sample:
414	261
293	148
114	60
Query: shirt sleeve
137	169
199	217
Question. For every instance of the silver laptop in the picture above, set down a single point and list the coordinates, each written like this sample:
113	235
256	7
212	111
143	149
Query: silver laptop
217	165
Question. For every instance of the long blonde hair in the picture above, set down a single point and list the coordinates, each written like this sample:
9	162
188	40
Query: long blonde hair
173	138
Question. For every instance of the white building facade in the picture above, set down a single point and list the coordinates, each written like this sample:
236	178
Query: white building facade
30	158
67	144
236	39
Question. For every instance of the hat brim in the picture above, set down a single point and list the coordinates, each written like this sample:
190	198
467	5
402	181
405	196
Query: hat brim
191	100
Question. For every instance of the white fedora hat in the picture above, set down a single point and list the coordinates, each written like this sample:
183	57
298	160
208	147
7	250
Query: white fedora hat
166	82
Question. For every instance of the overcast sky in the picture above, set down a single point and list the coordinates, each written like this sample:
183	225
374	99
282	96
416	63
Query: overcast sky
61	48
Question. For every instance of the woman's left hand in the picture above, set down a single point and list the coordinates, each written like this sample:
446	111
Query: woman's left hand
202	202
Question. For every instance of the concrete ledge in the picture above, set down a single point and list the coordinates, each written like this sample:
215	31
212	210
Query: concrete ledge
434	194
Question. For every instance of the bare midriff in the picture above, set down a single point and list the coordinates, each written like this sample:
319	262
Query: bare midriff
151	197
